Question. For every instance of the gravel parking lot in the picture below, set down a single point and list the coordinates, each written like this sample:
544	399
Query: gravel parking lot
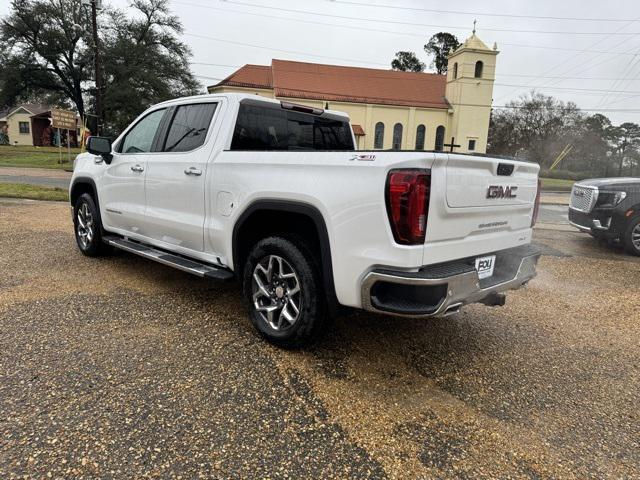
122	368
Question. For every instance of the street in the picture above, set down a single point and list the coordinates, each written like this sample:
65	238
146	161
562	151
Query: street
551	213
122	368
36	176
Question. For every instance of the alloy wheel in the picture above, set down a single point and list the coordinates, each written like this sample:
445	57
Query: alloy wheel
276	292
635	236
85	225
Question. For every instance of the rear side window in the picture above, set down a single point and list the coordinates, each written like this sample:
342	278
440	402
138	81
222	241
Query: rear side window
189	126
260	128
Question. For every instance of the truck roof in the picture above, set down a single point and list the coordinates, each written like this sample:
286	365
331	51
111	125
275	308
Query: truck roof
246	96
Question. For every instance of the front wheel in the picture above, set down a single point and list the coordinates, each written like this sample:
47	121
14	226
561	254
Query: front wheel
283	290
86	222
631	238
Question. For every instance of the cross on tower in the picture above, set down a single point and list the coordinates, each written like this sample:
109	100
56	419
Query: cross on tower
474	26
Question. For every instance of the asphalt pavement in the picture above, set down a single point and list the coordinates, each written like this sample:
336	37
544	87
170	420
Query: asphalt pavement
36	176
122	368
558	214
554	208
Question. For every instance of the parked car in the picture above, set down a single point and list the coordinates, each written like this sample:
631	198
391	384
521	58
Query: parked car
274	195
608	209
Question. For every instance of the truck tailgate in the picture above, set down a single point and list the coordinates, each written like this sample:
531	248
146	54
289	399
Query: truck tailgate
477	209
476	182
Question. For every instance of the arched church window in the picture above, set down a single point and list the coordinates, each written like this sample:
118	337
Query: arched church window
478	72
420	136
397	136
378	138
455	70
440	138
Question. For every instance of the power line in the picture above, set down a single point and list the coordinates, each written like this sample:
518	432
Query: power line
498	84
571	69
386	65
523	75
215	64
479	14
209	78
262	47
582	67
618	83
583	91
393	32
610	110
493	106
565	78
567	88
394	22
564	49
626	92
310	22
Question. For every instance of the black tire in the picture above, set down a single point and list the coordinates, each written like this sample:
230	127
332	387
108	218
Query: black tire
311	299
633	229
90	245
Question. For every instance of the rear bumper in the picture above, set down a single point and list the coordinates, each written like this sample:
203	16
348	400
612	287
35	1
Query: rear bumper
442	289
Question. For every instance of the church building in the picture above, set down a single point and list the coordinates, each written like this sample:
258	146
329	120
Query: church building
389	109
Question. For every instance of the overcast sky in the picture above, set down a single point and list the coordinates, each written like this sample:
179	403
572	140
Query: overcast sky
604	72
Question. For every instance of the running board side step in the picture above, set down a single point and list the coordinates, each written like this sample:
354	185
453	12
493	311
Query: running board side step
181	263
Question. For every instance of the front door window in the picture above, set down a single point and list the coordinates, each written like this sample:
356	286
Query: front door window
140	138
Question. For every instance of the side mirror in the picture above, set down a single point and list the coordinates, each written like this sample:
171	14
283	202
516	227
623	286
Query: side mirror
100	146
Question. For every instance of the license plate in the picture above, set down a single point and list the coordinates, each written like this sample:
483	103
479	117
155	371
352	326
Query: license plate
485	265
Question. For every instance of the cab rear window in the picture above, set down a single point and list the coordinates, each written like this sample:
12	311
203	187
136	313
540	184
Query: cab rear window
273	128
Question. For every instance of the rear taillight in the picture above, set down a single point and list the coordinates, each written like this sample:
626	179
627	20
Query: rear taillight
407	198
536	206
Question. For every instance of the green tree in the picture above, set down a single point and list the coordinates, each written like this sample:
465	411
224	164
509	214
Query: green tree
145	62
407	62
590	151
625	140
536	126
539	127
439	46
47	50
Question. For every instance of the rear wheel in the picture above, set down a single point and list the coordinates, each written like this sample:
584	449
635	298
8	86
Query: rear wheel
631	238
283	290
87	226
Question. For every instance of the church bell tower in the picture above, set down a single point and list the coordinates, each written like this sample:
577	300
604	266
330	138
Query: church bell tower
470	75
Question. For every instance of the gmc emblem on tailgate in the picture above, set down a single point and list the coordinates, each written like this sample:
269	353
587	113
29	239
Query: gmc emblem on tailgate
498	191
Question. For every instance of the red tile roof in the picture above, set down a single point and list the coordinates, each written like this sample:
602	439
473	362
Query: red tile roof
357	130
345	84
250	76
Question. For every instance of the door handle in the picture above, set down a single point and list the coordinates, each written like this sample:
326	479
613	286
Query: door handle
137	168
193	171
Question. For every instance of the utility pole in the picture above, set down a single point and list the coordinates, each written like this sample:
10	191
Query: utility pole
97	67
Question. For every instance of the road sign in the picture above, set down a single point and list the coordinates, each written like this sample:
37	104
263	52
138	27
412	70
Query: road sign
63	119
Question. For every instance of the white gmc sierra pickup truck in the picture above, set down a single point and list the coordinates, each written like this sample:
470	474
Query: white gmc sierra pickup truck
275	195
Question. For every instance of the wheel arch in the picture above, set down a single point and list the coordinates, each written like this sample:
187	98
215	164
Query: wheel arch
635	209
257	211
81	185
